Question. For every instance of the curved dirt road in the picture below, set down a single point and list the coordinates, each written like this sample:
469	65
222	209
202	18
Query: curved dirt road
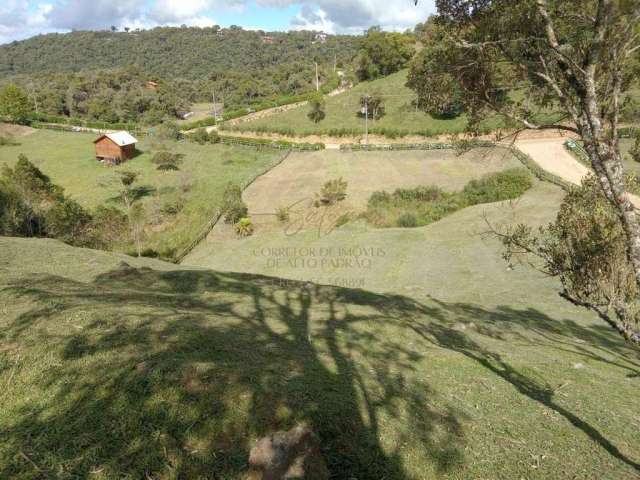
551	154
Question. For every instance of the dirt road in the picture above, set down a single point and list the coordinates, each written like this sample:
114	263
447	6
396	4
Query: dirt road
551	154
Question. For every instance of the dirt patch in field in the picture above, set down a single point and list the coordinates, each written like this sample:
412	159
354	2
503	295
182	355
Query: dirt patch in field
15	130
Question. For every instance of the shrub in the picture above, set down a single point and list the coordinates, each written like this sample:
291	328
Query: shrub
109	226
7	141
379	198
407	220
282	214
332	192
496	187
233	208
66	220
423	205
421	194
172	208
244	227
165	167
168	131
200	136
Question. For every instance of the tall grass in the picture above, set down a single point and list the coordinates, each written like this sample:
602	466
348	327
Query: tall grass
423	205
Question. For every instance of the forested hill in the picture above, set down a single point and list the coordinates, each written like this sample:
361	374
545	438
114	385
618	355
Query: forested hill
190	53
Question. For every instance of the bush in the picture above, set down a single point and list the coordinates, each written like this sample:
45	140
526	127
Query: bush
423	205
68	221
166	167
420	194
244	227
200	136
496	187
282	214
7	141
168	131
332	192
407	220
233	207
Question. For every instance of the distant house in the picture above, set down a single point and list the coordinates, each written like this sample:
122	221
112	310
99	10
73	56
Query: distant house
115	148
267	39
320	38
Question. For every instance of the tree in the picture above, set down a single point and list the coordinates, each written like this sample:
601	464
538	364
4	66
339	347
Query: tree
384	53
136	222
572	58
585	248
127	179
372	105
316	113
66	220
15	104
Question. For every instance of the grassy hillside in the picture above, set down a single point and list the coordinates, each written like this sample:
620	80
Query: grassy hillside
69	159
401	117
114	367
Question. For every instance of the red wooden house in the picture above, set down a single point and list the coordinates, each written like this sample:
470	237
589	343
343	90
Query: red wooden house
116	147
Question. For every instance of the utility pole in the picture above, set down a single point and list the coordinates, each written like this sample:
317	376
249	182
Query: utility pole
215	109
335	61
366	119
317	79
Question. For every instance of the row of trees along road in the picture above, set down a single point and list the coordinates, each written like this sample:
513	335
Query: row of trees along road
517	58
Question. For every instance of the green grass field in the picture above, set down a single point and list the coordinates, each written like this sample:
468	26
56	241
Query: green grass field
443	364
341	113
68	158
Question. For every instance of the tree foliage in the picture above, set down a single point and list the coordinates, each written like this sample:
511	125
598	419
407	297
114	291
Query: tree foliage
316	112
243	68
14	104
372	105
585	247
32	206
383	53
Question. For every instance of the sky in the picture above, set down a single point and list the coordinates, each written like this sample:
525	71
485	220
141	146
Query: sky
21	19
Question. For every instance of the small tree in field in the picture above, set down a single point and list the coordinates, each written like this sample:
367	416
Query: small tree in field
127	181
372	105
316	113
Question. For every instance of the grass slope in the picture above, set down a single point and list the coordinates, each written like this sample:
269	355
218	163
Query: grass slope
68	158
447	364
341	111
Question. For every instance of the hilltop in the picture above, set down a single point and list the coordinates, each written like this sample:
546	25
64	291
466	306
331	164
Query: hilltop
191	53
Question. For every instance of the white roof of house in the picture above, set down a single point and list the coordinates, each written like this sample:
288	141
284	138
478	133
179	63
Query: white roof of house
122	138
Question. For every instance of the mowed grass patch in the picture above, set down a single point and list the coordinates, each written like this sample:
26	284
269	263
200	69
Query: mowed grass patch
401	117
115	367
178	204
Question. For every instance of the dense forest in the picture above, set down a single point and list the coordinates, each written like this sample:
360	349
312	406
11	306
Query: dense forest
148	75
104	75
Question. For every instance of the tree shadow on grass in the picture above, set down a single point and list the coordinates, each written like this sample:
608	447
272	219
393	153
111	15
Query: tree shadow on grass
173	374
